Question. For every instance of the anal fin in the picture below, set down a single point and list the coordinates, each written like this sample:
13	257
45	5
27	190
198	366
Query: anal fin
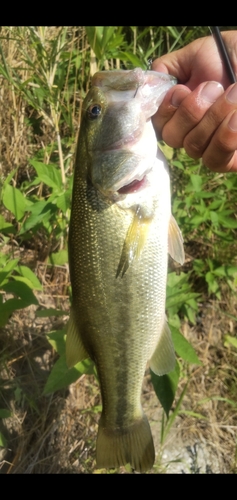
75	350
163	358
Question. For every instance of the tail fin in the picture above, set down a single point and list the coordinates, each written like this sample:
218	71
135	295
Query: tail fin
134	445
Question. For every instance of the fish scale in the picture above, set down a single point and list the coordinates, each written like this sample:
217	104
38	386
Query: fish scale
118	251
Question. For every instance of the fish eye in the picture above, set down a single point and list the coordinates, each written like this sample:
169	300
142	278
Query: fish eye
94	111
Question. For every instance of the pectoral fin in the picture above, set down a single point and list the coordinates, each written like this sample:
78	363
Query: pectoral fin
75	350
163	358
134	242
175	242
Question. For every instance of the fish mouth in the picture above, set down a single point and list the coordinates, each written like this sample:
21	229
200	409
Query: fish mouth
134	186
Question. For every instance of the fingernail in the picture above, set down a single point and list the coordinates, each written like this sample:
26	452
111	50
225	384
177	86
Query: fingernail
178	96
232	95
233	122
211	91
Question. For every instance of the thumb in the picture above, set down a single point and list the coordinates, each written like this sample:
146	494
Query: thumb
159	66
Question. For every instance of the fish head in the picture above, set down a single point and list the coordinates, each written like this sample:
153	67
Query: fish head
117	131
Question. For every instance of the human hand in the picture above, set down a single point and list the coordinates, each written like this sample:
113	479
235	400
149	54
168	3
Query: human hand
199	114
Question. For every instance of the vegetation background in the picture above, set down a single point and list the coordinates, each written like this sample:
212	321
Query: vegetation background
46	426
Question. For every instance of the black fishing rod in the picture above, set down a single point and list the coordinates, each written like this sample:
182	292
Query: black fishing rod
223	53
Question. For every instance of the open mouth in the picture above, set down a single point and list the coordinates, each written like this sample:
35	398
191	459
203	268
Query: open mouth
133	187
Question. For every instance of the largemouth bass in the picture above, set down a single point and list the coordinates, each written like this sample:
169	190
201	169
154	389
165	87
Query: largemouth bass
118	243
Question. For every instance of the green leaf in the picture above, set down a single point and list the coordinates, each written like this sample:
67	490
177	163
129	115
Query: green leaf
129	56
5	413
59	258
198	220
31	279
48	174
214	217
183	347
228	340
8	307
26	281
196	181
165	387
14	201
38	207
177	279
8	268
94	34
178	164
3	441
11	264
190	314
57	339
63	201
21	290
41	211
227	222
225	270
10	176
6	227
179	299
60	376
108	33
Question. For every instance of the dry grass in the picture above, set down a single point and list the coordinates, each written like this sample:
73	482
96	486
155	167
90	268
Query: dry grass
26	123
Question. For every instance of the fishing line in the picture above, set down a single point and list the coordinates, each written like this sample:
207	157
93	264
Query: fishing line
137	87
223	53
